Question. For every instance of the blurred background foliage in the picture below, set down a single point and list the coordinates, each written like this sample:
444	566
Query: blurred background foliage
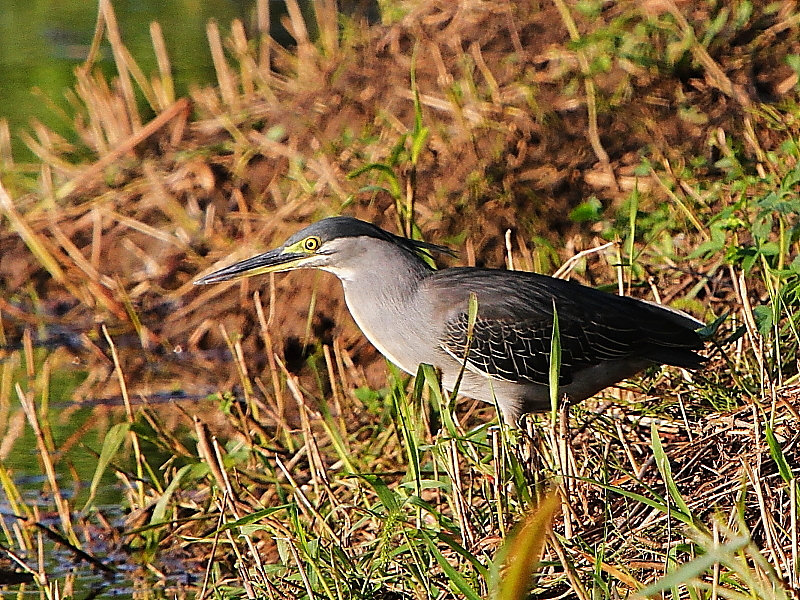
41	43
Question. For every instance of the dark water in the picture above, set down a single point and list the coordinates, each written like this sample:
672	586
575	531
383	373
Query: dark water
41	43
77	433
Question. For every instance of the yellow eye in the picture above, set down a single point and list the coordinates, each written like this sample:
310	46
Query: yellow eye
311	243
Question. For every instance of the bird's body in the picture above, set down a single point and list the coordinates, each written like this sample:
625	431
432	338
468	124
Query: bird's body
414	314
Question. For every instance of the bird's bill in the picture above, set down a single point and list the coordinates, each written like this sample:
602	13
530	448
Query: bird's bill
273	261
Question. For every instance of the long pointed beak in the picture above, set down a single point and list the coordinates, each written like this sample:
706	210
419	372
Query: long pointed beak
273	261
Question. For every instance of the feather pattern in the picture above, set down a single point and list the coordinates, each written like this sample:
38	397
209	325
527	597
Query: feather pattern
512	334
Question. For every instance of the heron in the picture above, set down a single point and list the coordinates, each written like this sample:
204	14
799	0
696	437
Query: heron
488	331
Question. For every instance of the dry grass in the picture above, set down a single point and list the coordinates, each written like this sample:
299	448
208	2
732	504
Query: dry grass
461	121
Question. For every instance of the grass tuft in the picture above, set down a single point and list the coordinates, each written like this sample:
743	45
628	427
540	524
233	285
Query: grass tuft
264	447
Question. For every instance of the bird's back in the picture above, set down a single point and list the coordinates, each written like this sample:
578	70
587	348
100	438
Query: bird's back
515	316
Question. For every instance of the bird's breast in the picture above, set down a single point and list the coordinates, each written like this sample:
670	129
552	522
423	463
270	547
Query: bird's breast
397	326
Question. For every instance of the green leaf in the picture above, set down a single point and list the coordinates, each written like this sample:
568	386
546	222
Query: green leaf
762	226
716	25
111	444
386	171
793	60
591	210
375	188
711	328
763	314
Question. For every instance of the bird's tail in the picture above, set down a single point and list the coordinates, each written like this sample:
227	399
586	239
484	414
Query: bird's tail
679	335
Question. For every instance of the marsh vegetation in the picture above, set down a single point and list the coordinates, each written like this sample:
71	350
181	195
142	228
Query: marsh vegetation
258	446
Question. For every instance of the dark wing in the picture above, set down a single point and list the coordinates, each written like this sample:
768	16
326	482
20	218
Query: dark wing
512	335
520	350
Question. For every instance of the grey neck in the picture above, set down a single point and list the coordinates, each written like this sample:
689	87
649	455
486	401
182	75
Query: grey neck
381	287
384	276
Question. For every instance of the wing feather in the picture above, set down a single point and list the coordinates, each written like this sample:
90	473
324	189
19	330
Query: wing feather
511	336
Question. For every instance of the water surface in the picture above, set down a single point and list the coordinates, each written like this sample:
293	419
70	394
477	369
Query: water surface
41	43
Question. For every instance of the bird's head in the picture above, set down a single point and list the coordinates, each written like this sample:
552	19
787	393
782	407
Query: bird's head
335	244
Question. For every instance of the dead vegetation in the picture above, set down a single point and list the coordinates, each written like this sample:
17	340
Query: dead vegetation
659	126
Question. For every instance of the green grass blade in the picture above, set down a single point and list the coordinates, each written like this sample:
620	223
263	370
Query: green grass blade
111	444
464	553
659	504
337	441
428	375
409	432
387	497
254	517
472	317
160	509
662	462
630	246
777	454
555	364
695	568
455	578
